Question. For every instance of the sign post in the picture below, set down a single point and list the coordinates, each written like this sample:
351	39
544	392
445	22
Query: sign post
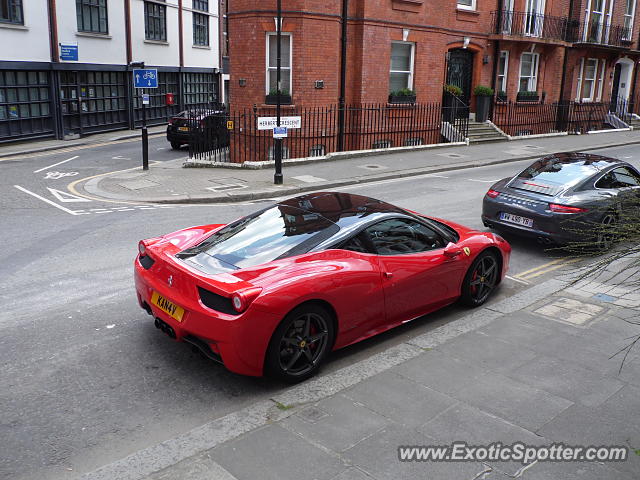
277	177
144	78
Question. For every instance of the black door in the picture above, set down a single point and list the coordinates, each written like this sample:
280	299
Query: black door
460	70
616	87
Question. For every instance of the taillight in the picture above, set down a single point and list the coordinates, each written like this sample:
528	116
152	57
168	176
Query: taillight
242	299
142	248
201	123
170	121
554	207
492	193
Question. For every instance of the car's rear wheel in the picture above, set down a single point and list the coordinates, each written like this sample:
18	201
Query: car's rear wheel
481	279
176	145
299	344
606	231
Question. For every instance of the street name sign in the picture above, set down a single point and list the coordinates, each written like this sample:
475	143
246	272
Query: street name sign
145	78
269	123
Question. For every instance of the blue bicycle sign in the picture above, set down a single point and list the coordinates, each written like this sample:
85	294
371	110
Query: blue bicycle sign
145	78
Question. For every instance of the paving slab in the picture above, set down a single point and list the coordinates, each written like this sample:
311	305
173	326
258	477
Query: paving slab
337	423
514	401
399	398
567	380
274	453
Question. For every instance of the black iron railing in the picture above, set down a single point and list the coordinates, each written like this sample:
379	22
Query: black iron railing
519	119
236	137
596	31
528	24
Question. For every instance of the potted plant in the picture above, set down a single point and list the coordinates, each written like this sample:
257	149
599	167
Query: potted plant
272	97
483	102
501	96
405	95
450	102
526	96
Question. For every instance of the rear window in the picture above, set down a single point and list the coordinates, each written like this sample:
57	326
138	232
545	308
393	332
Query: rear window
277	232
550	177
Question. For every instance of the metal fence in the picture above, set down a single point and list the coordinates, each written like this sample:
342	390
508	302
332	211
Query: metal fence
518	119
235	136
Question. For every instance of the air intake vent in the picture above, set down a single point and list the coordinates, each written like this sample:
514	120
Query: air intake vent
147	262
217	302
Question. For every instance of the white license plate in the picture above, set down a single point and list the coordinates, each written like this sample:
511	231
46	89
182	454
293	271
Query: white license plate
517	219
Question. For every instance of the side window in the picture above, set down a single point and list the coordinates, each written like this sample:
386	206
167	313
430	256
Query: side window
399	236
619	178
355	245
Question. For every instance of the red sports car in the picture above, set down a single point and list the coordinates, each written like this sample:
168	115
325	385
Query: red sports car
276	291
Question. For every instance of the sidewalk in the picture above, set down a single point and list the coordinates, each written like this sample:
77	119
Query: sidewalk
169	182
534	368
35	146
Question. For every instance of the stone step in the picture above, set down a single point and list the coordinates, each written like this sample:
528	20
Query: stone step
498	138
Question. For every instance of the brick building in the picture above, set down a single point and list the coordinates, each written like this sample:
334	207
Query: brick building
586	48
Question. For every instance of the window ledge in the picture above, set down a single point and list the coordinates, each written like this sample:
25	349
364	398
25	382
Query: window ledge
203	47
94	35
156	42
13	26
470	11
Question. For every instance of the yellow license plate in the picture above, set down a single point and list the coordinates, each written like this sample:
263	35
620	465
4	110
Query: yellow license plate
167	307
183	129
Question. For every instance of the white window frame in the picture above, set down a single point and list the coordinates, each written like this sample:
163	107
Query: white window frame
411	64
605	26
503	81
462	6
290	67
534	76
601	80
596	91
629	18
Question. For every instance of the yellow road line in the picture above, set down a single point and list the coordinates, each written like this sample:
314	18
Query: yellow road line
540	267
568	261
72	187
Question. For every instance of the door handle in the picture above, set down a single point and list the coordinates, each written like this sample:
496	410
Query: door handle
388	274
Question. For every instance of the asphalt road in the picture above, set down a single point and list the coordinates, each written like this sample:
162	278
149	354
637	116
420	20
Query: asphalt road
86	378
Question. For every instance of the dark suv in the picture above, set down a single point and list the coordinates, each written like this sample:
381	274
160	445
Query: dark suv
206	127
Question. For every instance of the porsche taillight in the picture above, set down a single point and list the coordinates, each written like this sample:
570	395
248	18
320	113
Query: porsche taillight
492	193
554	207
243	298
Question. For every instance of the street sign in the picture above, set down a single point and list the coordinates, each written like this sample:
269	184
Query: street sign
268	123
69	52
145	99
145	78
279	132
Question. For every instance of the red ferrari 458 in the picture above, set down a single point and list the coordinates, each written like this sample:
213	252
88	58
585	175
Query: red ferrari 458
276	291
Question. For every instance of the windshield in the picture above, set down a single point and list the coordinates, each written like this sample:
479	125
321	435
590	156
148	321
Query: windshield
277	232
551	176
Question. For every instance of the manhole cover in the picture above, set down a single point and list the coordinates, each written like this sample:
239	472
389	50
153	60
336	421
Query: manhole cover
372	167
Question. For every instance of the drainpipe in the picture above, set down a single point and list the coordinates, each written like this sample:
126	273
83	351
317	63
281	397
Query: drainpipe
180	33
53	31
127	24
343	76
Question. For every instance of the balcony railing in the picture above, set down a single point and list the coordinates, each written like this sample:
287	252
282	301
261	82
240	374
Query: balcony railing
530	25
596	31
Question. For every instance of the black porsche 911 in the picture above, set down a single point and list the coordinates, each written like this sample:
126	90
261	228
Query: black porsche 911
566	198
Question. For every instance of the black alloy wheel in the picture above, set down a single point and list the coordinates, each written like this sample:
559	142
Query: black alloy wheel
299	344
606	232
481	279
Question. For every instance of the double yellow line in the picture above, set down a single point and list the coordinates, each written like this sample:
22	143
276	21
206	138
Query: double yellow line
546	268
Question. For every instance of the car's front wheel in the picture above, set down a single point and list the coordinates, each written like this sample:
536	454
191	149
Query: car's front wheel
481	279
300	344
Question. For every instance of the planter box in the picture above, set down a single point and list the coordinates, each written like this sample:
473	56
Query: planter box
483	104
402	99
273	99
528	98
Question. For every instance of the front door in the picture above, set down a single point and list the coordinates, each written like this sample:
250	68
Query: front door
460	71
616	88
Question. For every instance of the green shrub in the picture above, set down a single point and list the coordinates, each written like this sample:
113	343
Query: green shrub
405	92
483	91
453	90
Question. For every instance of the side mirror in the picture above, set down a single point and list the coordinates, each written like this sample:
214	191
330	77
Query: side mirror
452	250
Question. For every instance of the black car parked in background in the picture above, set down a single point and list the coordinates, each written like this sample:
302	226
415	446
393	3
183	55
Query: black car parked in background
206	127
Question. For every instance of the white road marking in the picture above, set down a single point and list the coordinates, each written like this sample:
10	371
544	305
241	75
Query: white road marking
59	175
56	164
120	158
66	197
482	181
45	200
309	179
